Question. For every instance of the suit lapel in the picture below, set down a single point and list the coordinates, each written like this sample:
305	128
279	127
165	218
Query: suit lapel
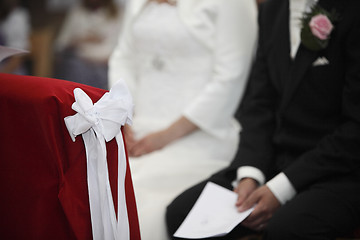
302	62
277	43
281	54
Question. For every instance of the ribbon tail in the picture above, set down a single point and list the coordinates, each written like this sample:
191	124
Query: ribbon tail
102	211
123	220
93	185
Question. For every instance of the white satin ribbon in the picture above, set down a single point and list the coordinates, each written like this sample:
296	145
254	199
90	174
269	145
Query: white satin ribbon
98	123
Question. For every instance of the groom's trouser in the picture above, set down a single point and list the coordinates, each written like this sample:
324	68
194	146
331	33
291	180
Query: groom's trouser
322	211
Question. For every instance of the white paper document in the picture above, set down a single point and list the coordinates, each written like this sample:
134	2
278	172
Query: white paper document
8	52
213	214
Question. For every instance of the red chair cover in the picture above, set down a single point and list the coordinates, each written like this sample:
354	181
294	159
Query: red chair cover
43	181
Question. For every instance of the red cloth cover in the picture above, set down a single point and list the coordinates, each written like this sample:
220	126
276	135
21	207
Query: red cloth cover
43	181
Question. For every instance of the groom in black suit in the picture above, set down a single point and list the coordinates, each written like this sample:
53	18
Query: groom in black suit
299	151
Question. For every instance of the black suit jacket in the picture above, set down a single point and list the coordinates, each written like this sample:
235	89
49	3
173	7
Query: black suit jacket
297	118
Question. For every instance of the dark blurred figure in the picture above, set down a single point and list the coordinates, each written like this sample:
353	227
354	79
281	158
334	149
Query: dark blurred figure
14	32
86	40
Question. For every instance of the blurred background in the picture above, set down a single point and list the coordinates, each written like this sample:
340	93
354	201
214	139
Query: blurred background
36	25
67	39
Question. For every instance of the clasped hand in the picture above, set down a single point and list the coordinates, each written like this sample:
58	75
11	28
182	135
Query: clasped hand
147	144
157	140
250	194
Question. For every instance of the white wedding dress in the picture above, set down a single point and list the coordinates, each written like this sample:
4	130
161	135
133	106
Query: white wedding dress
173	70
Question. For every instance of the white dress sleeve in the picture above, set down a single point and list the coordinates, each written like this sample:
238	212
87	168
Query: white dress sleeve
235	38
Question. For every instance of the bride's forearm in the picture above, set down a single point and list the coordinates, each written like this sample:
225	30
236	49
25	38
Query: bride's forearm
180	128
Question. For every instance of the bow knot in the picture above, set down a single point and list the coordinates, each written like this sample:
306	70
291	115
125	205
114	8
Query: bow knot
93	116
106	116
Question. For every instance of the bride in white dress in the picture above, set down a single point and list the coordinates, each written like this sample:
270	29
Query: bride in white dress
186	64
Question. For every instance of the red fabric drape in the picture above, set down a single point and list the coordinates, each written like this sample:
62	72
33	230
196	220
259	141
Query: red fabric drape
43	182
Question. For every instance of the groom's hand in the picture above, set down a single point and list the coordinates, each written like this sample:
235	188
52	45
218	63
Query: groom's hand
244	188
266	205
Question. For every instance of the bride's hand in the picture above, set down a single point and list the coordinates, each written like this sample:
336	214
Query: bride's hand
160	139
150	143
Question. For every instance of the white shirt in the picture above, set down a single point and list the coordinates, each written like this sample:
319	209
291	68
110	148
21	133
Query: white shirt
280	185
296	10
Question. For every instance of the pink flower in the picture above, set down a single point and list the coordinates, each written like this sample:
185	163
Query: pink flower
321	26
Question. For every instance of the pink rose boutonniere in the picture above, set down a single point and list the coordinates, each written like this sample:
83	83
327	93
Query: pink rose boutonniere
317	26
321	26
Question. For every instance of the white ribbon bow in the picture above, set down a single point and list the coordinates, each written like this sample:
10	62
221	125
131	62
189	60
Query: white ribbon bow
98	123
